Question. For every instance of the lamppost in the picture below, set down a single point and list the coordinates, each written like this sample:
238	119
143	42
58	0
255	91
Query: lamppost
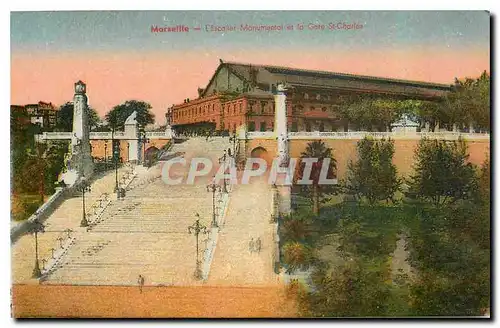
60	240
43	264
233	140
41	159
115	157
68	231
197	228
35	228
42	187
106	154
84	187
144	140
213	187
222	160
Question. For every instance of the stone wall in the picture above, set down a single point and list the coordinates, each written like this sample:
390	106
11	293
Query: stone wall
344	150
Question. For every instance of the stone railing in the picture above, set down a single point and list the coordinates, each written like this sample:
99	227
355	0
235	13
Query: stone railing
42	213
375	135
211	242
108	135
261	135
99	136
156	134
454	135
53	136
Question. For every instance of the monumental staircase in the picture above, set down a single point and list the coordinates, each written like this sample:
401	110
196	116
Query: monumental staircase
146	232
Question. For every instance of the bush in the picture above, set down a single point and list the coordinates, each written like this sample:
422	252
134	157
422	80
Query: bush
23	206
296	256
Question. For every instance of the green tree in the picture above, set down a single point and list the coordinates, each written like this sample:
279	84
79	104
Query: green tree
371	113
442	171
41	170
373	175
425	111
450	244
20	138
117	116
320	151
453	268
474	216
65	117
469	103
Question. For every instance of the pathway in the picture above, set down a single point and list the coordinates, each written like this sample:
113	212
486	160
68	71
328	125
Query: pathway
247	217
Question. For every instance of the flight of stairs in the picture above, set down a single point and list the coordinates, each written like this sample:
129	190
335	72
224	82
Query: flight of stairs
146	233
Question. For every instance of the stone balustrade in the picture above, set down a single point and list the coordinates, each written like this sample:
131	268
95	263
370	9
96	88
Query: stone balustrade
156	134
211	243
53	136
119	135
376	135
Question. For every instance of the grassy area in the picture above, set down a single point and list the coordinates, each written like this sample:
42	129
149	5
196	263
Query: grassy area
24	205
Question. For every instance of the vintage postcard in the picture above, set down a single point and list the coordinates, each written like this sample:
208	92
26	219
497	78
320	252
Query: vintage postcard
250	164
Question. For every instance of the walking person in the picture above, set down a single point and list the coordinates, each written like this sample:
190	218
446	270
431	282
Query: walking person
251	245
140	281
258	245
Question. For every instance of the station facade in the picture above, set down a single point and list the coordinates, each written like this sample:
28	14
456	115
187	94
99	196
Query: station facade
242	94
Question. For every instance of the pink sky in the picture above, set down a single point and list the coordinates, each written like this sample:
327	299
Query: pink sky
163	79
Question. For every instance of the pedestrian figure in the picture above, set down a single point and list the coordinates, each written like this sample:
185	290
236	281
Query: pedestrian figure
258	245
251	245
140	281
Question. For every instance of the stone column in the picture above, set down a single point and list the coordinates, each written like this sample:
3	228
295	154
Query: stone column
80	141
281	132
280	125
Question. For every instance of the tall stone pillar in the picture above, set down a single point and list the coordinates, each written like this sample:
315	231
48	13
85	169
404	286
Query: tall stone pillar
281	132
280	125
81	159
131	131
